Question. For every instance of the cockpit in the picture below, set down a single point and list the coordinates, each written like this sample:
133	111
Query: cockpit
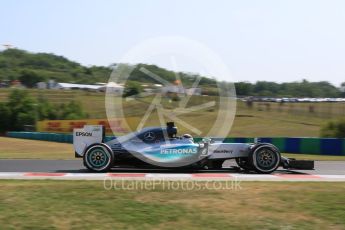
158	134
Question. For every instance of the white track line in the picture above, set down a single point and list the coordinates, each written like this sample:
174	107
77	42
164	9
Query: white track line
170	176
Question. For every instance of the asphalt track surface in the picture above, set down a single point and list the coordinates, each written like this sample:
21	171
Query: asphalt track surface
76	166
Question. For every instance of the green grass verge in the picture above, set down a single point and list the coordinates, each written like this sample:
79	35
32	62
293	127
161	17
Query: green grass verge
13	148
87	205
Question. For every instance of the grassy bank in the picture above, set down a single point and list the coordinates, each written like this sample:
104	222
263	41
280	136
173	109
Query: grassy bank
12	148
254	205
289	119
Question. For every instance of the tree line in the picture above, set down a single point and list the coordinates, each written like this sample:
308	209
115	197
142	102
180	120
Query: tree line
22	110
291	89
31	68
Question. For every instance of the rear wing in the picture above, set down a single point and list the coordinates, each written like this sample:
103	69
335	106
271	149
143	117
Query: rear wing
86	136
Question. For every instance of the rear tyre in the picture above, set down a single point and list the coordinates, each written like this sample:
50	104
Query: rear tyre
98	158
265	159
243	163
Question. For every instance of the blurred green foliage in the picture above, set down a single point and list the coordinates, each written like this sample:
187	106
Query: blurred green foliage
334	129
291	89
132	88
31	68
22	109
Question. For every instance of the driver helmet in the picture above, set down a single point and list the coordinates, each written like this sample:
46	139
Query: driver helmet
187	136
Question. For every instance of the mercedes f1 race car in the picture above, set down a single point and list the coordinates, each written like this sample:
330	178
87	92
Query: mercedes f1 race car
161	147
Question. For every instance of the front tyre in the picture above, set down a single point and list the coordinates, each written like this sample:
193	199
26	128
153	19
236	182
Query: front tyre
265	158
98	158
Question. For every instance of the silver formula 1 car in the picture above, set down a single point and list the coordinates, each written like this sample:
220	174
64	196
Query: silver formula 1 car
161	147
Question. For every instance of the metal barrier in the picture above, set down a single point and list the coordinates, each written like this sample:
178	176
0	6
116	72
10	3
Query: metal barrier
301	145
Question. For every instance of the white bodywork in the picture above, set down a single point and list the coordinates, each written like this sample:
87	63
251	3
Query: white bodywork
152	147
84	137
92	134
221	150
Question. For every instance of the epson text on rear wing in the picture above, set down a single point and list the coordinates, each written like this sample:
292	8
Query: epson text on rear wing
86	136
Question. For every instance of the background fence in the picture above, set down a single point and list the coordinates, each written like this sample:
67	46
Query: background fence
301	145
329	110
